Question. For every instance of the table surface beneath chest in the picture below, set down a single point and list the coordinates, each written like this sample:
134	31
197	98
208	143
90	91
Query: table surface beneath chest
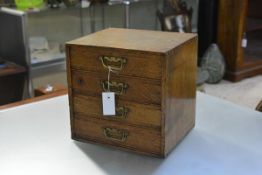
35	139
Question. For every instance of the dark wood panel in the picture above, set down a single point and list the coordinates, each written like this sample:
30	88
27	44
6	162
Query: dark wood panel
232	25
254	9
32	100
12	82
11	69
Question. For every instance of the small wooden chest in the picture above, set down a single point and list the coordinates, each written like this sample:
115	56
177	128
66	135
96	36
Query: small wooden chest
154	80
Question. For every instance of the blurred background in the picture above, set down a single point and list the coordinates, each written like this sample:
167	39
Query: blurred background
33	34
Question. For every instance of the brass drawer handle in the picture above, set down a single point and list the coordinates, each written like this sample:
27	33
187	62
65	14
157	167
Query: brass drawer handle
115	63
121	112
118	88
115	134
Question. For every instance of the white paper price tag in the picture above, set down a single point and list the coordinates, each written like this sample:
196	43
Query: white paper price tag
244	43
108	99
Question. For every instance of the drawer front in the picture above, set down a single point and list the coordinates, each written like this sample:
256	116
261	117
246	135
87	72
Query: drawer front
126	112
126	88
105	132
131	63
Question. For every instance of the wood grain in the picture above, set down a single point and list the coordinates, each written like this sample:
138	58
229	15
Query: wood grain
138	90
137	65
232	21
70	91
180	94
137	139
134	40
161	77
42	90
138	114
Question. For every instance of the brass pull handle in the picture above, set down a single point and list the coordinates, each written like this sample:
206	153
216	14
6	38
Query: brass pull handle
121	112
115	63
115	134
118	88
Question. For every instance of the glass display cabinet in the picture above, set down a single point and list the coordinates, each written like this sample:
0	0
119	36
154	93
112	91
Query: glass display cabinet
36	39
43	32
47	31
240	37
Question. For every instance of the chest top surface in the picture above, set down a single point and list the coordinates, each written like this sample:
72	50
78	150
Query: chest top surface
131	39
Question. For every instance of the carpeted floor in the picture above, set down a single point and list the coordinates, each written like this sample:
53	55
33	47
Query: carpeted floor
247	92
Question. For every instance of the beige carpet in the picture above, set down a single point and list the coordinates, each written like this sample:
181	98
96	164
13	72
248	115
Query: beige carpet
247	92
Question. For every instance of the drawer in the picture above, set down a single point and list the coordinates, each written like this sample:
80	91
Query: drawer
153	75
133	63
127	112
138	90
105	132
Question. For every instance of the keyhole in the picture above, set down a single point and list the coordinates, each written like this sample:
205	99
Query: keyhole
80	81
108	97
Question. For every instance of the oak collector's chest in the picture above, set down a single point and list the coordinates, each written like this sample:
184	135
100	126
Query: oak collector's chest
153	76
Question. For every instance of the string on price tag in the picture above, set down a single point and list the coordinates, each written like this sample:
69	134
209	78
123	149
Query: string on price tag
108	98
108	78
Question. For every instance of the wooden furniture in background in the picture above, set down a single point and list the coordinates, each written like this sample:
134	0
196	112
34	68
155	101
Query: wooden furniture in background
238	19
48	89
155	88
12	82
34	99
206	25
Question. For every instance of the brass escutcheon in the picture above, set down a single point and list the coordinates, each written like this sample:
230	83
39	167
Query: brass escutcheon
118	88
121	112
115	63
115	134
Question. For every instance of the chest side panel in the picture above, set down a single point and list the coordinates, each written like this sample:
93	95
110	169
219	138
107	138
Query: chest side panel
180	94
69	82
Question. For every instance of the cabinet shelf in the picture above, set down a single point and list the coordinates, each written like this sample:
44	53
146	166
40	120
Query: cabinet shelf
254	44
12	82
253	24
48	67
